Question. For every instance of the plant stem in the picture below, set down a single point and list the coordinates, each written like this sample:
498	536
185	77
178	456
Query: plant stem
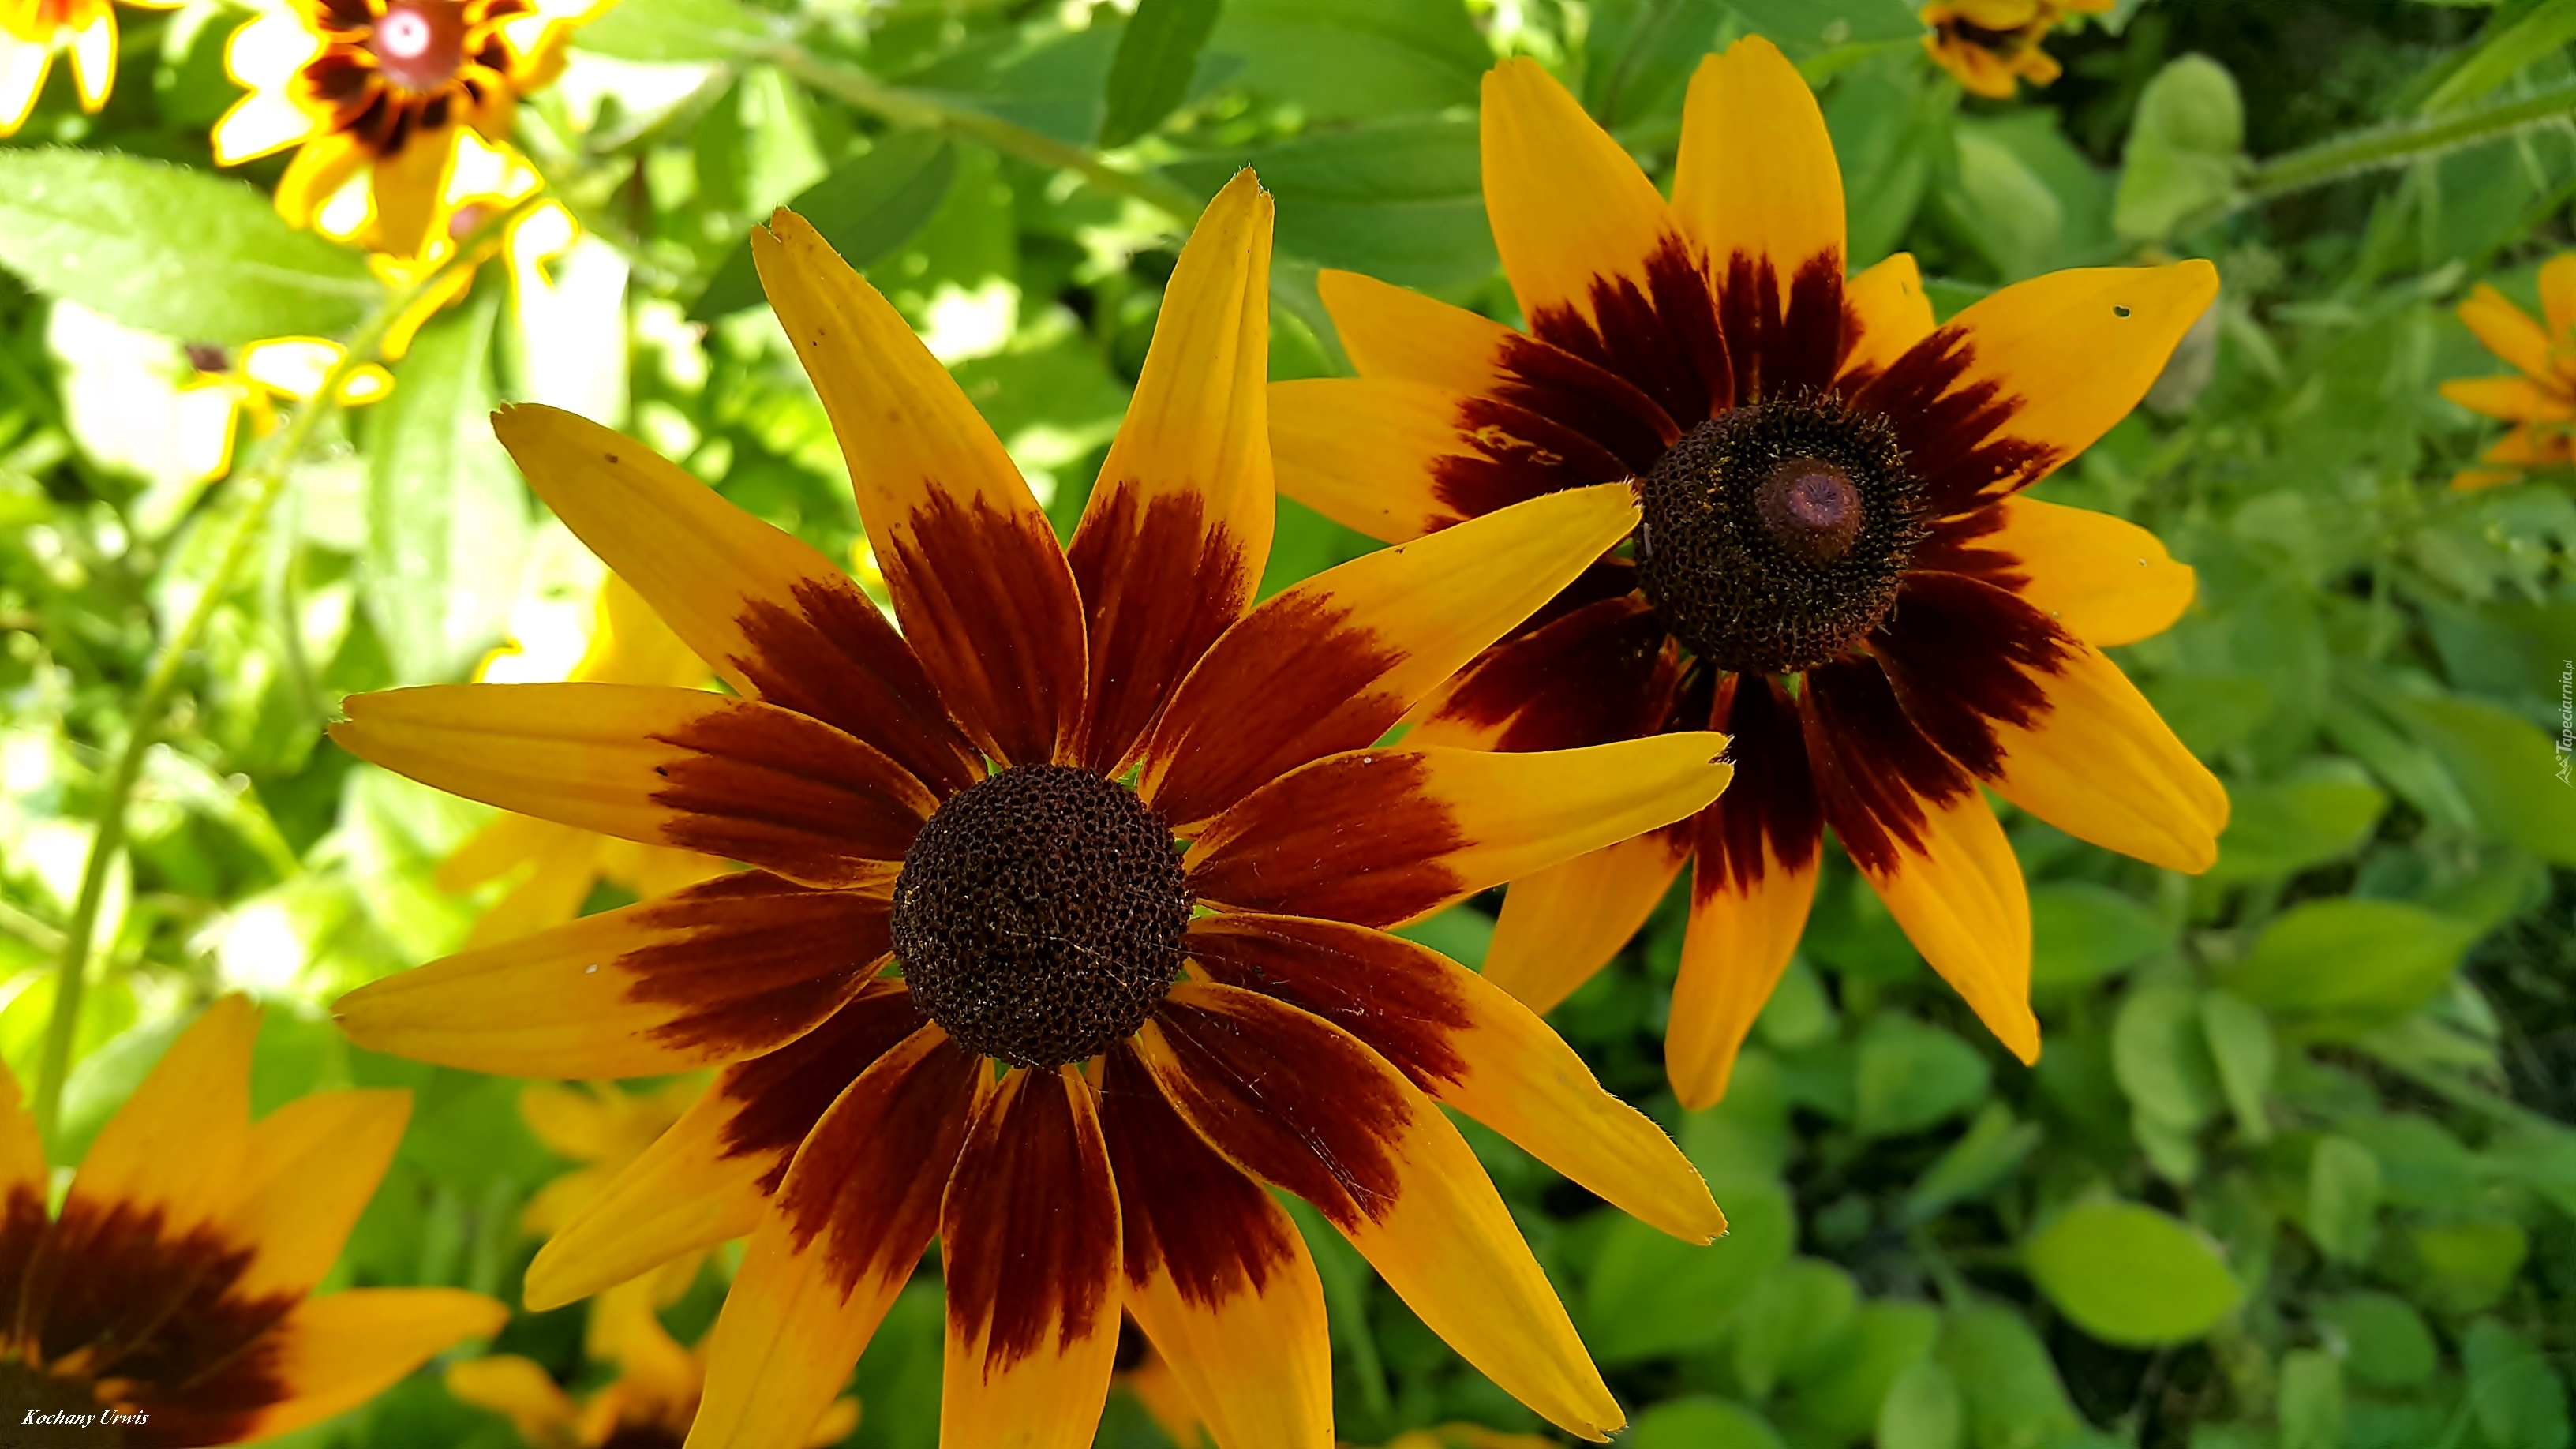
914	109
264	483
2398	144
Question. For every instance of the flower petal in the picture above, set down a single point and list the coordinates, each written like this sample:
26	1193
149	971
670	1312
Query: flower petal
1397	459
1029	1241
2558	294
1301	1104
984	593
681	767
25	1177
1754	875
2103	579
312	1166
2507	330
1333	662
93	52
774	617
859	1205
1597	260
407	187
23	67
2029	377
1175	535
1564	923
1215	1273
2514	399
710	1175
1383	836
1605	671
1756	186
732	968
328	1355
1467	1043
324	165
520	1388
178	1145
265	53
1888	312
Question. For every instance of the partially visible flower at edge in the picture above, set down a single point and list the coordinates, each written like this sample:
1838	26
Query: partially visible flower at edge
173	1283
2541	403
1991	45
604	1128
648	1406
32	31
562	864
486	180
376	94
250	382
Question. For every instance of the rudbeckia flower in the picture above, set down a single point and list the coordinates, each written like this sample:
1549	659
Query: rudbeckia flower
1835	566
558	866
1131	844
230	386
647	1406
604	1129
33	31
2541	403
485	181
1993	45
377	94
170	1292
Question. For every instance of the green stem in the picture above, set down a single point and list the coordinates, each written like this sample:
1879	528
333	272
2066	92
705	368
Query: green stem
264	483
2398	144
923	112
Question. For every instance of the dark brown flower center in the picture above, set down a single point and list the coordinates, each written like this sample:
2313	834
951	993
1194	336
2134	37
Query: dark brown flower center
45	1412
419	44
1775	535
1039	915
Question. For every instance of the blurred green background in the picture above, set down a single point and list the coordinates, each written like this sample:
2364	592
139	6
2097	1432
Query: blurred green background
2296	1170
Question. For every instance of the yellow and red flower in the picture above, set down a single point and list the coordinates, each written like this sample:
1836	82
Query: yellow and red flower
1130	839
379	94
1992	46
1835	565
172	1289
605	1130
2541	403
33	32
232	385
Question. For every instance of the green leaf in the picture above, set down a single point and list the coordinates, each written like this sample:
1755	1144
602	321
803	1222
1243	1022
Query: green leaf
1923	1410
447	517
2005	1379
2009	211
2516	783
1653	1294
2519	1400
1809	24
2383	1339
1399	200
1460	933
1845	1378
2466	1267
2312	1409
1888	128
1702	1423
1341	60
1993	1146
2343	1198
2240	1046
2341	967
867	207
1801	1305
1156	57
2081	933
673	30
1637	53
2185	151
96	227
2130	1275
2538	34
1910	1076
2281	829
2161	1056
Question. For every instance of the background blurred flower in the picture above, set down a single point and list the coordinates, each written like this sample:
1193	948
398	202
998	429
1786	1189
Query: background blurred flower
1993	45
32	32
604	1128
2541	403
248	384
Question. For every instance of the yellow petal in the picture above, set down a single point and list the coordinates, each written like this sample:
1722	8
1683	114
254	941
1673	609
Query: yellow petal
2102	766
1892	311
2506	329
93	52
1740	939
517	1387
2558	294
2106	580
335	1353
1961	900
23	65
178	1145
2514	399
312	1166
1566	922
1756	178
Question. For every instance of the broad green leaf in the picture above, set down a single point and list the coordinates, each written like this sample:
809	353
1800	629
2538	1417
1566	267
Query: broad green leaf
447	515
2161	1056
868	206
2342	966
1802	25
2382	1338
2520	788
1637	54
1992	1147
2005	1379
2130	1275
1341	60
674	30
97	227
2240	1046
1800	1012
2007	209
2540	33
1910	1076
2520	1401
1800	1306
1923	1410
1846	1378
1701	1423
2281	829
2185	149
1150	74
1400	200
2081	933
1049	79
2467	1266
1652	1294
2312	1406
2343	1198
1888	127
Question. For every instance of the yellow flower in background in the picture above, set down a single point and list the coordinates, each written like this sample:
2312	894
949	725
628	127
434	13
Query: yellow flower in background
605	1129
1992	45
1467	1436
2541	403
629	644
32	32
648	1406
173	1284
229	387
378	94
485	180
